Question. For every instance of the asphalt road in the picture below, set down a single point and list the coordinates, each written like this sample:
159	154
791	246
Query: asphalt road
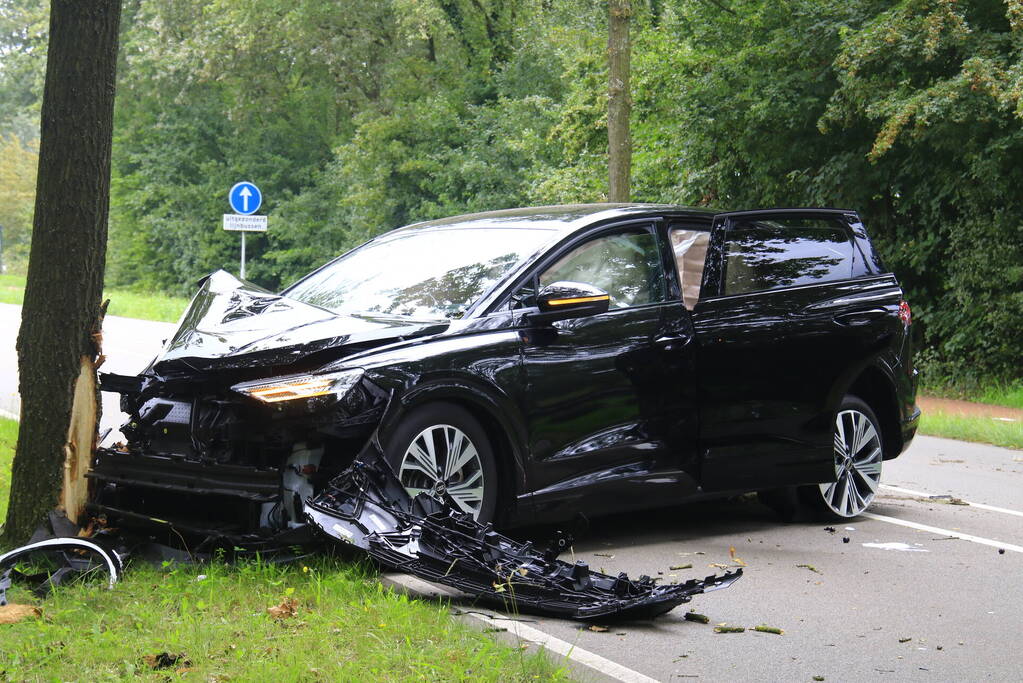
941	608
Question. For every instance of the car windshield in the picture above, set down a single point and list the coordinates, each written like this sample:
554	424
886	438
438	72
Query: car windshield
432	273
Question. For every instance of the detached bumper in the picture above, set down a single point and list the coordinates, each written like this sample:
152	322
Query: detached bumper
366	506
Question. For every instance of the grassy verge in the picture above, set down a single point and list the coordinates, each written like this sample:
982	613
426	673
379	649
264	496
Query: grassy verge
123	302
979	429
1010	395
346	626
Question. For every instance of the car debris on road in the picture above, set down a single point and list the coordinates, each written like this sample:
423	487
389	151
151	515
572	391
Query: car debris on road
367	507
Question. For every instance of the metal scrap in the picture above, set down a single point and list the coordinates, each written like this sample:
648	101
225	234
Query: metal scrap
367	506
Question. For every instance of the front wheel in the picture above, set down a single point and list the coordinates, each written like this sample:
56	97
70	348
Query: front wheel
859	451
440	449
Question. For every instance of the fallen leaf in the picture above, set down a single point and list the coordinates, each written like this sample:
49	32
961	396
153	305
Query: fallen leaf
598	629
810	567
12	613
729	629
681	566
287	608
764	628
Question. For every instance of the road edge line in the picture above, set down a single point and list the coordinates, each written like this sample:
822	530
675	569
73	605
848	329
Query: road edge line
944	532
598	666
937	498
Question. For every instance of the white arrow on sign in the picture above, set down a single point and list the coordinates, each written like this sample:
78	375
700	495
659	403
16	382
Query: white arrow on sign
245	194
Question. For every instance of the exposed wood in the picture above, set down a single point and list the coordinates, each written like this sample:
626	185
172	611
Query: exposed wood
81	442
619	101
57	342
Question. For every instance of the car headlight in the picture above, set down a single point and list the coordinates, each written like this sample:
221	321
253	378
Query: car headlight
301	386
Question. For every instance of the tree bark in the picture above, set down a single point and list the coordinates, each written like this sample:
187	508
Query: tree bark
59	337
619	101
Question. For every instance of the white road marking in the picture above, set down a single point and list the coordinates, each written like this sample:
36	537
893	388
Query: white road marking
979	506
943	532
533	635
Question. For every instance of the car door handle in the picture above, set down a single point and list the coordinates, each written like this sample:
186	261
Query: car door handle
860	317
672	343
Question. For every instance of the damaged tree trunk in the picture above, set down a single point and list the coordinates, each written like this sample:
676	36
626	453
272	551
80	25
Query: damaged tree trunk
619	101
59	337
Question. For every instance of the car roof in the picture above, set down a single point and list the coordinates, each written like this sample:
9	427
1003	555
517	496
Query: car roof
564	218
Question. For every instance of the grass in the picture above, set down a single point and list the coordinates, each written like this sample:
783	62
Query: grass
348	627
8	440
978	429
1010	395
123	302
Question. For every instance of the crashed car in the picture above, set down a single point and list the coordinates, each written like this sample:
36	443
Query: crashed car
526	366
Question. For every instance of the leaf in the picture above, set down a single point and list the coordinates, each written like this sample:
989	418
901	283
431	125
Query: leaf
729	629
287	608
598	629
681	566
764	628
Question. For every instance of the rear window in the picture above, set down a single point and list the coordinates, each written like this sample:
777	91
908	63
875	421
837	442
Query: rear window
768	254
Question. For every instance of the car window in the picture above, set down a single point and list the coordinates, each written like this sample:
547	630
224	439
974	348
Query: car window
424	274
768	254
690	249
625	265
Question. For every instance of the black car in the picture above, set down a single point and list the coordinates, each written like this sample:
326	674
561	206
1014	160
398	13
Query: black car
529	365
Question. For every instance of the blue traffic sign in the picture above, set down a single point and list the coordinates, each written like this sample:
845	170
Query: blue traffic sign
245	198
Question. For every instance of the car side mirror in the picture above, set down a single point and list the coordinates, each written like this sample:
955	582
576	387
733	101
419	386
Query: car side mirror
564	300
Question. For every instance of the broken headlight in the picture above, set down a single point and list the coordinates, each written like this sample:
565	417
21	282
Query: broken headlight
293	387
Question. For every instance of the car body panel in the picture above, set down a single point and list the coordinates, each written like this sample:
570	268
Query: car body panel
634	407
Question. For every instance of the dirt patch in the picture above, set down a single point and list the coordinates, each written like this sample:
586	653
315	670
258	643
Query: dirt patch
950	406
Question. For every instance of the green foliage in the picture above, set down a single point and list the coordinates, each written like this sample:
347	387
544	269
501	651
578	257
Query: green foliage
357	117
126	303
18	164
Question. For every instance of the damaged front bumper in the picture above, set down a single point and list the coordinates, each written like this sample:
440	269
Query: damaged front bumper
368	507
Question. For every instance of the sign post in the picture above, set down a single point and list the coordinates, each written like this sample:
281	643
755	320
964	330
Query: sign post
245	199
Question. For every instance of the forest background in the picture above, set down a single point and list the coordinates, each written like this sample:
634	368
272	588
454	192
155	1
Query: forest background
358	116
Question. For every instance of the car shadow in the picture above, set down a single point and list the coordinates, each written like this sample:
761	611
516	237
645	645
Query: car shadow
681	523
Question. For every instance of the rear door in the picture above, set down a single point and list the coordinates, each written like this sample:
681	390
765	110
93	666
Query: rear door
790	311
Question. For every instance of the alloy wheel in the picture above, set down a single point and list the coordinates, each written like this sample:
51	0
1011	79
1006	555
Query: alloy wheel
858	456
442	459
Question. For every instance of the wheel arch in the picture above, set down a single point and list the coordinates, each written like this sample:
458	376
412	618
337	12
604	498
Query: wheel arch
877	389
492	410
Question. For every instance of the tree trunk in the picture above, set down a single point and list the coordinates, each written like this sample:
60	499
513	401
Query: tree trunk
619	101
59	337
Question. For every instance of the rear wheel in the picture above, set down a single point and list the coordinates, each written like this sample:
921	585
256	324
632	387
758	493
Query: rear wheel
859	451
441	449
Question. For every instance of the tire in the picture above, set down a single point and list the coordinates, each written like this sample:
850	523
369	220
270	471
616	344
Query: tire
441	447
859	452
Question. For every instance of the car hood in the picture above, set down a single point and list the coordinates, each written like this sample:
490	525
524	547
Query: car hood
233	324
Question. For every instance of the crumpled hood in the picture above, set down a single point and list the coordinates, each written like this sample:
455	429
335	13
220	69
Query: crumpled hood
235	324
